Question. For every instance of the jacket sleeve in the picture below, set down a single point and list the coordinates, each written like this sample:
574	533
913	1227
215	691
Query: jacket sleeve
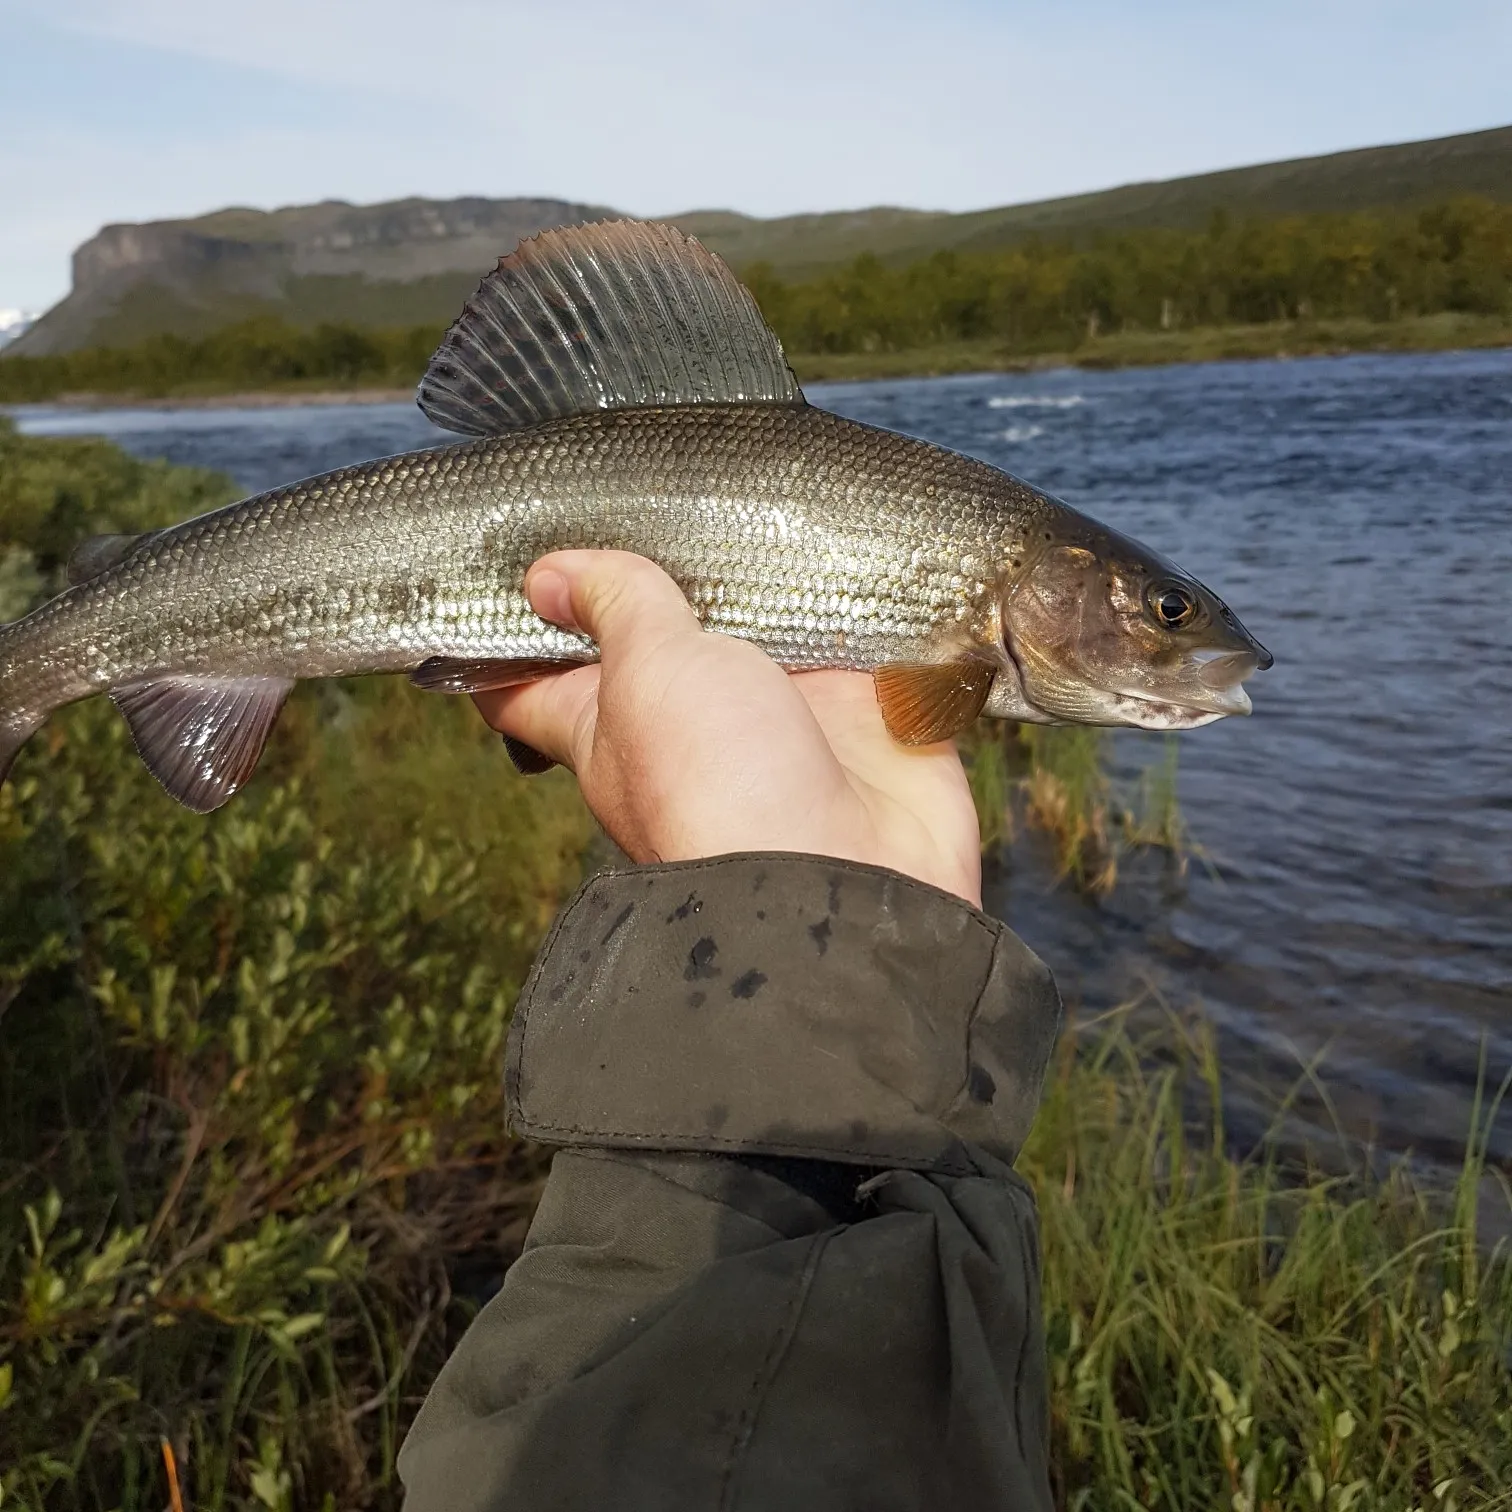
782	1260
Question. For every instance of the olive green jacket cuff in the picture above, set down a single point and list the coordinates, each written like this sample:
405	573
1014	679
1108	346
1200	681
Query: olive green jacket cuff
782	1005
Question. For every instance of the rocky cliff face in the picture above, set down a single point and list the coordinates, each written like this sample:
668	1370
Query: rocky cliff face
169	252
194	274
403	240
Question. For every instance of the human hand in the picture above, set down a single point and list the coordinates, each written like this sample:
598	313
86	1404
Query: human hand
690	744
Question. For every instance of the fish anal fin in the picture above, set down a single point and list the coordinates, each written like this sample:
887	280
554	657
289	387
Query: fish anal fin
923	703
201	736
615	315
528	761
96	554
454	674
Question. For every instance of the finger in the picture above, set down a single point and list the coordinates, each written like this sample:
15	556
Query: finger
556	715
624	602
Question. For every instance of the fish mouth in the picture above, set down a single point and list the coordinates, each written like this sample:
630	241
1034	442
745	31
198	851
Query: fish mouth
1223	671
1215	692
1160	714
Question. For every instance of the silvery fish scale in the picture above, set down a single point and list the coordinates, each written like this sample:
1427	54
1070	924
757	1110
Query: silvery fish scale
824	542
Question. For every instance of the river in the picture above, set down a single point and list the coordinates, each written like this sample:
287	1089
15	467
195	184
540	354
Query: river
1353	893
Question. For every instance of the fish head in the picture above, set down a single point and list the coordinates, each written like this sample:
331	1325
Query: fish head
1098	629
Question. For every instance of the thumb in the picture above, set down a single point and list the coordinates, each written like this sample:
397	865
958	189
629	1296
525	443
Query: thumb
624	602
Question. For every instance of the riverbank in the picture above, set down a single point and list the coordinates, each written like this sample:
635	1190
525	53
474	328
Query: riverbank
200	397
254	1178
1142	348
1118	349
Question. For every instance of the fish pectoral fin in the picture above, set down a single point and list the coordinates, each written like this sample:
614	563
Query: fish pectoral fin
618	315
925	703
95	554
201	736
528	761
455	674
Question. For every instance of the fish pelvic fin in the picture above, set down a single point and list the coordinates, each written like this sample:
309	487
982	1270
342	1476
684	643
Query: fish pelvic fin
202	736
616	315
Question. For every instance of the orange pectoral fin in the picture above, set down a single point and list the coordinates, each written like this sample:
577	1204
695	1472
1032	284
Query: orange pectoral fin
923	704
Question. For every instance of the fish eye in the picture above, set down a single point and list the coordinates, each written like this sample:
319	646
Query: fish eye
1173	606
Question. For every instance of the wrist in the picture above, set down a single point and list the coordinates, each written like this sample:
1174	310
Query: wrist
783	1005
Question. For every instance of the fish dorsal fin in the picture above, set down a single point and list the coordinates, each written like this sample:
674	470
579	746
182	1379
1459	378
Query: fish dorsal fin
616	315
925	703
95	554
201	737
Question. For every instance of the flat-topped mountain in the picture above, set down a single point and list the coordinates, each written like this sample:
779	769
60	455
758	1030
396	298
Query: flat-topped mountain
410	260
414	261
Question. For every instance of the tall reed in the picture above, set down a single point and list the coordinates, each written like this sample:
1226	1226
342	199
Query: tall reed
1245	1331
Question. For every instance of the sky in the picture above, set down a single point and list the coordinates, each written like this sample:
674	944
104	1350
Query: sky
122	110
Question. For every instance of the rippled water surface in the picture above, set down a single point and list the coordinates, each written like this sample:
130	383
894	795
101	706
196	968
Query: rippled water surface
1357	512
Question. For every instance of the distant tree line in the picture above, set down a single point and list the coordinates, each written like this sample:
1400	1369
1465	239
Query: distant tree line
265	352
1052	295
1039	295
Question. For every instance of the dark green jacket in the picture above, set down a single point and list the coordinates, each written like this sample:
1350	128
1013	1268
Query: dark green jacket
782	1261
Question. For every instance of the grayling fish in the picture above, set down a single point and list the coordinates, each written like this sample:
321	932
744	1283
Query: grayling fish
626	393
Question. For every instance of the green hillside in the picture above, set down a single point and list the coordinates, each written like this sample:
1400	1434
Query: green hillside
1426	279
413	262
146	310
412	259
1401	176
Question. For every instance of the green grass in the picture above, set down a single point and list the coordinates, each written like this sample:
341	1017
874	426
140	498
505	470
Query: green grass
1055	780
1244	1332
253	1175
250	1124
